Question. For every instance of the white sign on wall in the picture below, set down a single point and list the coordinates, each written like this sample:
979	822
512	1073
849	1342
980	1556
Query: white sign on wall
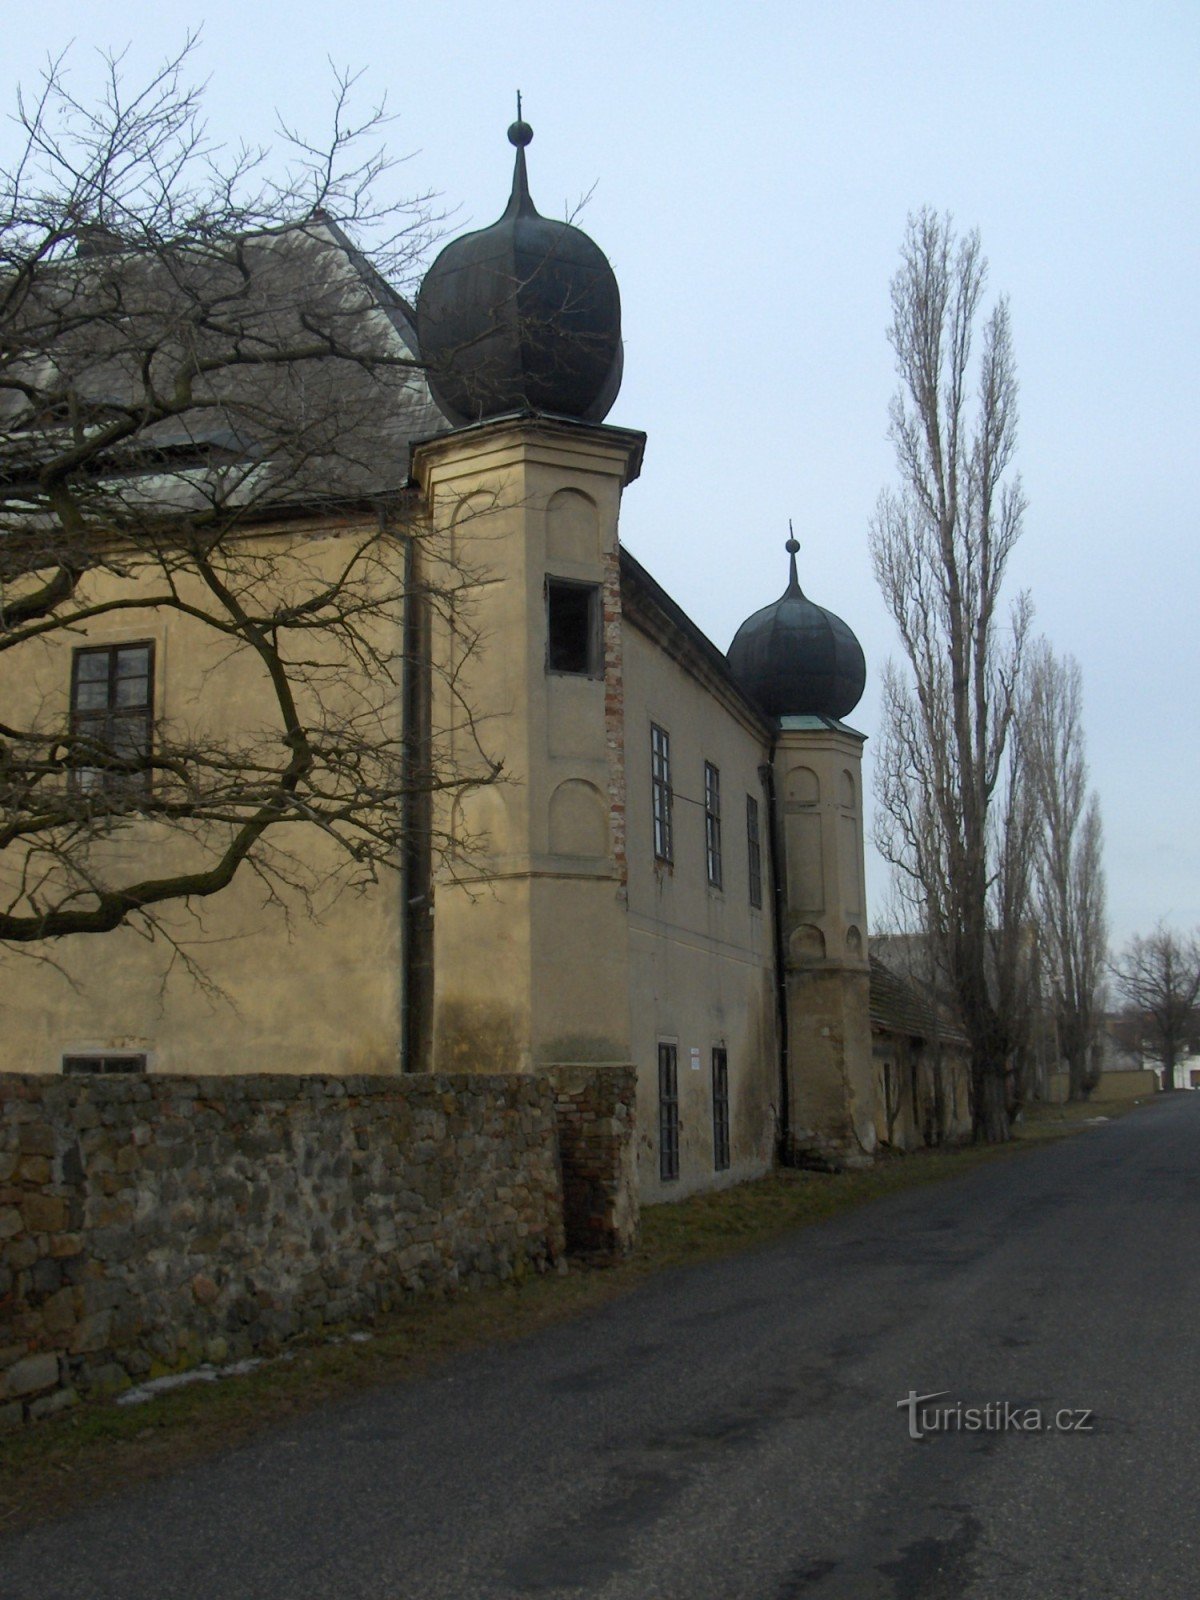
695	1058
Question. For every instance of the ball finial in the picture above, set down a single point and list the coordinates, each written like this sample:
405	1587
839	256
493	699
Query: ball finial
519	132
792	546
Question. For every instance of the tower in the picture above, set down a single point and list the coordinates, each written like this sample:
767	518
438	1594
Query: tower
805	668
520	326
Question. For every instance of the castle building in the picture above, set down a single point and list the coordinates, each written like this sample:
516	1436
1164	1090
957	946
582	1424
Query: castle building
653	852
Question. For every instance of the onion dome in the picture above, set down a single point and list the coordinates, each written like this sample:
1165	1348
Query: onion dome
796	659
524	315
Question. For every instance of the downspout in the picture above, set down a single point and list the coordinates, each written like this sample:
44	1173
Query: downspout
406	865
784	1130
415	802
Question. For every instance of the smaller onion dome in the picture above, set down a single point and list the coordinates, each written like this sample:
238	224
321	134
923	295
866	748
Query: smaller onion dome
524	315
796	659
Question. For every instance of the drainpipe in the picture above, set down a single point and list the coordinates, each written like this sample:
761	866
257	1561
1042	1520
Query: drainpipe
415	863
784	1132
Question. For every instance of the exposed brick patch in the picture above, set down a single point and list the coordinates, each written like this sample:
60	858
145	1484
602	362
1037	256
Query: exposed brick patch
614	709
597	1108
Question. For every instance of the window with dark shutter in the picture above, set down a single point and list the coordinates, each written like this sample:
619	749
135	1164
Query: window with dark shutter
668	1112
573	639
720	1108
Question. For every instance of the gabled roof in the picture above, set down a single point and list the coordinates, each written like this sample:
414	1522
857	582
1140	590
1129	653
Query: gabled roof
900	1008
279	369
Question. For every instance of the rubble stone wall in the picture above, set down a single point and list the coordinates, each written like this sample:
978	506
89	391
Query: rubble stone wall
149	1223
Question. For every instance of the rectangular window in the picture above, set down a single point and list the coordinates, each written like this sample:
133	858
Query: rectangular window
75	1065
712	823
573	642
668	1112
112	708
753	851
720	1094
660	782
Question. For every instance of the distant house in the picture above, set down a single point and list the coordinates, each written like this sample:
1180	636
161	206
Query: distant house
922	1064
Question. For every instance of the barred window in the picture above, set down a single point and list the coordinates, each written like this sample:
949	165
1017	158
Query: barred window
668	1112
753	851
112	710
720	1108
712	823
662	796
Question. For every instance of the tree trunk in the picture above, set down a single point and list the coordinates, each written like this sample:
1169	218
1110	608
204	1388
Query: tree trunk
991	1103
1078	1081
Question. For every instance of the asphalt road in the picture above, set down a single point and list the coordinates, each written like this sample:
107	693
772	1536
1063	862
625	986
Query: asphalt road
732	1430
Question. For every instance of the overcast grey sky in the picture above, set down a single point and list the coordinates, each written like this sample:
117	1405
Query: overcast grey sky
753	166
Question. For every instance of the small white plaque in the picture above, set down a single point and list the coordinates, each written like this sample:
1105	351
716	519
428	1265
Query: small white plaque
695	1058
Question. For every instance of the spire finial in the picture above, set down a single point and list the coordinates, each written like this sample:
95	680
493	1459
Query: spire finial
519	134
791	547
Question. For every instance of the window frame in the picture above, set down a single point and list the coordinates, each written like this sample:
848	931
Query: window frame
754	878
96	1063
594	667
662	794
714	868
720	1108
668	1111
100	780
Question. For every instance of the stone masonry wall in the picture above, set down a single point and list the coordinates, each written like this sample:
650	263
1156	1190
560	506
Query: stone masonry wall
147	1223
597	1108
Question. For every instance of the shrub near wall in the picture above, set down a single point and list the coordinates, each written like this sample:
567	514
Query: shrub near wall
147	1223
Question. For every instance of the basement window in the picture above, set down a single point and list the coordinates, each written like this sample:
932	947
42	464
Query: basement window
85	1065
573	628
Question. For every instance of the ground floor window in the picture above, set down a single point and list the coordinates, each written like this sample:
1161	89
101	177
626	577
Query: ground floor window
720	1108
668	1112
83	1064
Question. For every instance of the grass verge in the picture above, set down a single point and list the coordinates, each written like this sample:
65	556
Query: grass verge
101	1448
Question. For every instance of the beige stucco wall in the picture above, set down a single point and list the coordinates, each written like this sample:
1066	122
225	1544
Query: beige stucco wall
701	958
279	989
832	1099
1115	1085
531	965
914	1067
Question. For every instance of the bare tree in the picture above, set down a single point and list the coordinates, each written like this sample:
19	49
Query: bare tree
1069	859
953	815
1159	977
207	394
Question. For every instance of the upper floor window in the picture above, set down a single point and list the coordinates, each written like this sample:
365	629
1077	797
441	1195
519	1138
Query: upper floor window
753	851
112	706
661	792
712	823
573	639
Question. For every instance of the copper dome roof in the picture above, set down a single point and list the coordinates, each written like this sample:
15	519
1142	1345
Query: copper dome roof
524	315
795	658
